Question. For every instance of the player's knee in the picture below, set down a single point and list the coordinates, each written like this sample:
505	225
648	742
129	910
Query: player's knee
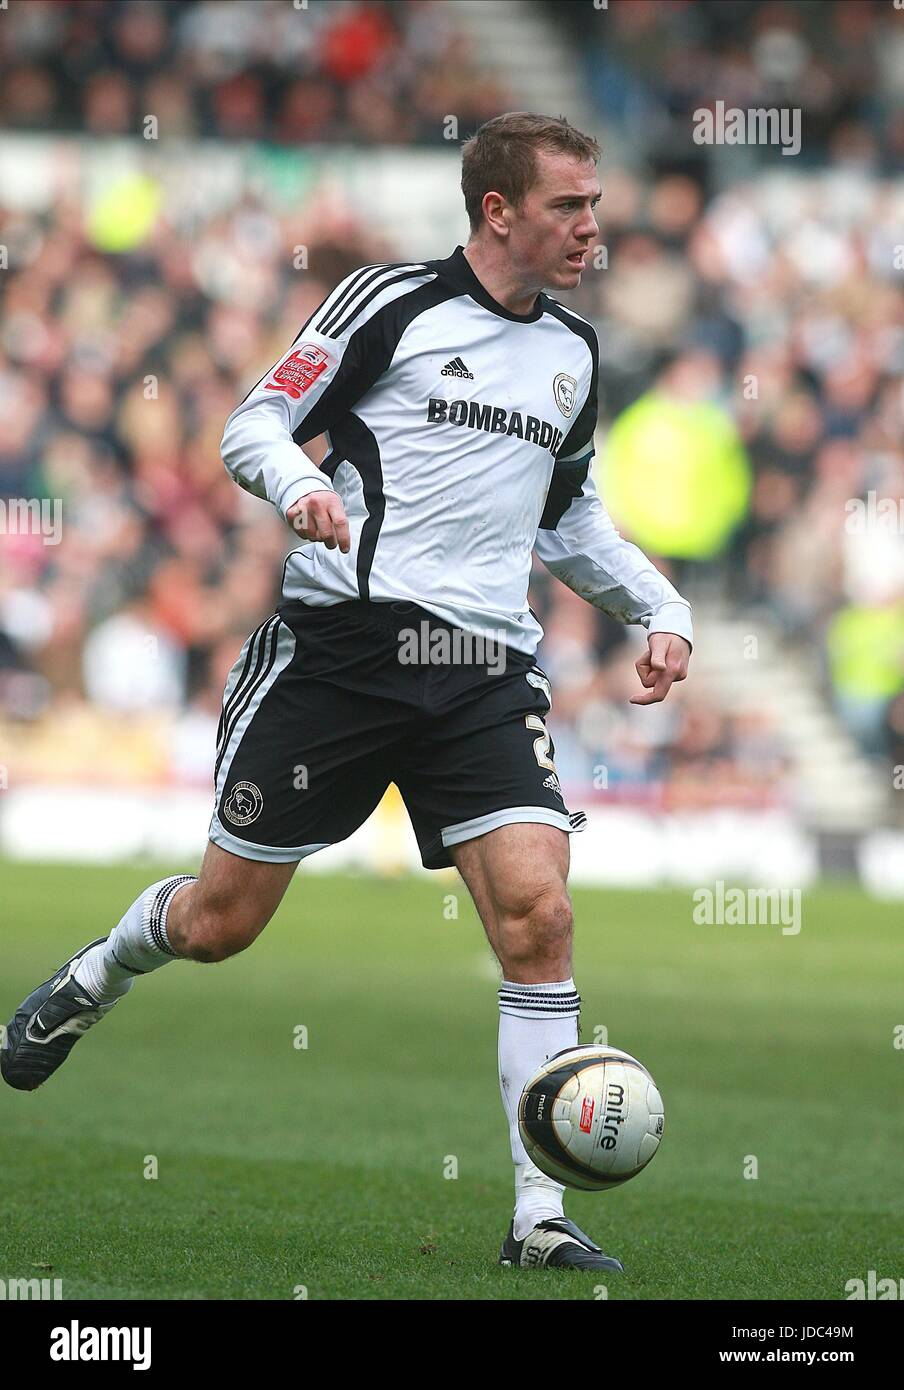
217	930
539	928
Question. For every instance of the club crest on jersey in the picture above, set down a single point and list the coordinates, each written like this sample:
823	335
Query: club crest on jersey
243	804
299	371
565	390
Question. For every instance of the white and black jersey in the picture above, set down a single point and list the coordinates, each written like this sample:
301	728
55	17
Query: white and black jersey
460	440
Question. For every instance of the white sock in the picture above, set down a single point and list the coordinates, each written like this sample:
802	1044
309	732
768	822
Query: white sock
137	945
535	1022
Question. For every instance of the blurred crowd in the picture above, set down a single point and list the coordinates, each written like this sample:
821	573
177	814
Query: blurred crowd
358	71
649	65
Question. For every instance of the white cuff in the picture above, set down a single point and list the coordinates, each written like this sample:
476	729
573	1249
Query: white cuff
299	487
673	617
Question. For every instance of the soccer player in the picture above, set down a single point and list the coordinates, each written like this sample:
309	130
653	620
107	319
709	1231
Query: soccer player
459	402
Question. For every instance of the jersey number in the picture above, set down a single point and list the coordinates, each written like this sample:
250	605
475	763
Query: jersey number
541	744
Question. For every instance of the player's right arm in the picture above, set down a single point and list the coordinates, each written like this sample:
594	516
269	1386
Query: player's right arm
336	358
261	445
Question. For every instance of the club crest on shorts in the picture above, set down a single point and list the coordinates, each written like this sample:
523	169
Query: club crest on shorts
243	804
565	390
539	681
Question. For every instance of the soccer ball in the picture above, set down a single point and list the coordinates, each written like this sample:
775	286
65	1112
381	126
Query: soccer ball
591	1117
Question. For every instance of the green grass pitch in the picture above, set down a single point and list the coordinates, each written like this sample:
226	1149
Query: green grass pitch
325	1167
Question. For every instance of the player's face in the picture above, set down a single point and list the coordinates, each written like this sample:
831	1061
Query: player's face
552	237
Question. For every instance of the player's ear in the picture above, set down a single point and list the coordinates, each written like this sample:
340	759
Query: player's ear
495	209
505	220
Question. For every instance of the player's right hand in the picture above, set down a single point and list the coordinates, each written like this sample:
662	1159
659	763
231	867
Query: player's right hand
320	516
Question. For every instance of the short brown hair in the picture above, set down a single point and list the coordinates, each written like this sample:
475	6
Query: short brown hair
502	156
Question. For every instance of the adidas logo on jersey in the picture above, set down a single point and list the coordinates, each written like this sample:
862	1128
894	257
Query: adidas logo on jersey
457	368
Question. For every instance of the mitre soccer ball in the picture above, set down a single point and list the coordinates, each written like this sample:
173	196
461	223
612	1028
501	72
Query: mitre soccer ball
591	1117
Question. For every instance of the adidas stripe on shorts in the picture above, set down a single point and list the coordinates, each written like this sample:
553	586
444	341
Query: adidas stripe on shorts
323	710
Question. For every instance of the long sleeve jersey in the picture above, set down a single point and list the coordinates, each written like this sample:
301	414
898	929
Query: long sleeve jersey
460	440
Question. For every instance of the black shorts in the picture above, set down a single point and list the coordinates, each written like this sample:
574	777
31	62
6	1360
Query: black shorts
325	708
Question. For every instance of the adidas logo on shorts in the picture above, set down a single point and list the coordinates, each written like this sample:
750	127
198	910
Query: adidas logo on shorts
457	368
552	782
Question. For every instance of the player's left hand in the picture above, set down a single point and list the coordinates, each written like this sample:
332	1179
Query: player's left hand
664	662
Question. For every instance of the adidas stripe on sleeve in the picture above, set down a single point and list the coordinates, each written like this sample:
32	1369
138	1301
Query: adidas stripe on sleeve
336	358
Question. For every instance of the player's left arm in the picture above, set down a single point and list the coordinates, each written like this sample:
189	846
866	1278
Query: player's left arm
579	544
